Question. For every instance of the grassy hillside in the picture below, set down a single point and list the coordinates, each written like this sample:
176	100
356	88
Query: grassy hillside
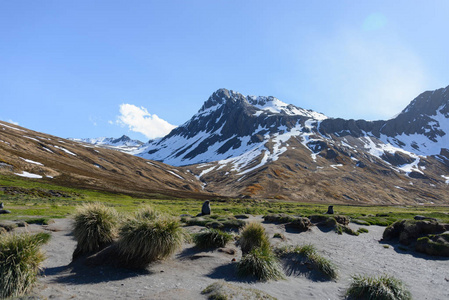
29	199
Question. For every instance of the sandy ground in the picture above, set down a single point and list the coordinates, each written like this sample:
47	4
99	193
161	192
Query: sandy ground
188	272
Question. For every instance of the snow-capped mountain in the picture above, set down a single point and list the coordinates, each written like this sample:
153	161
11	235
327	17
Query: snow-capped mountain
229	125
123	143
241	145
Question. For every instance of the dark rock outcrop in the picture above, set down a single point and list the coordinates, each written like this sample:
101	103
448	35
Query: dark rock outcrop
428	236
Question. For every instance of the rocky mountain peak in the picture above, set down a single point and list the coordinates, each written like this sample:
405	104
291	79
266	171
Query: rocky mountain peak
429	103
220	97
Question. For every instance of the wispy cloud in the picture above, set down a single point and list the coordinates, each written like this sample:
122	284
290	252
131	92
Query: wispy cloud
138	119
12	122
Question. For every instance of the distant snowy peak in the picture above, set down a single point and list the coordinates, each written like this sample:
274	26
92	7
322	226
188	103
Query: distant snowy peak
123	141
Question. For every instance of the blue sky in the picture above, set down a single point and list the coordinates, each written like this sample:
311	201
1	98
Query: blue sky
107	68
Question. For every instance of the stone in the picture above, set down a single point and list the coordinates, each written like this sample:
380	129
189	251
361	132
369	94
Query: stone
437	245
301	224
424	218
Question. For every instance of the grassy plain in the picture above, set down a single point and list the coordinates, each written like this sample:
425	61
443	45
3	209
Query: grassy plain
29	200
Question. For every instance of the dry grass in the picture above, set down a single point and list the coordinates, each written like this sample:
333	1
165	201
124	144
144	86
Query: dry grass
143	240
379	288
308	255
260	263
20	258
253	236
211	238
95	228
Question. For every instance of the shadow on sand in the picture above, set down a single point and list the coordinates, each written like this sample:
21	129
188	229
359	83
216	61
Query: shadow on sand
410	250
78	273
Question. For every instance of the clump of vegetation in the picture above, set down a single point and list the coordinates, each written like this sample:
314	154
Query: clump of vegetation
211	238
146	212
253	236
360	222
279	218
260	263
241	216
382	288
342	228
307	255
95	228
362	230
214	221
20	258
225	290
435	244
278	235
40	221
143	240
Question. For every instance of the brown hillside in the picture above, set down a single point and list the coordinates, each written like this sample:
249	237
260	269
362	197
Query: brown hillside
68	163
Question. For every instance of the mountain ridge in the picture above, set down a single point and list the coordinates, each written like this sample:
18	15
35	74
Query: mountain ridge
262	148
234	140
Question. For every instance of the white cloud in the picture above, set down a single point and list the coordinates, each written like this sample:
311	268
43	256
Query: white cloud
12	122
138	119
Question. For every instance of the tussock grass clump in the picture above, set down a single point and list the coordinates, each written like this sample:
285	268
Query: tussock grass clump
95	228
223	290
260	263
380	288
211	238
253	236
308	255
20	257
146	212
142	240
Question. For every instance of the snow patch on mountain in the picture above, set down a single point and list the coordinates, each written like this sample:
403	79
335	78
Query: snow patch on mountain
28	175
31	161
422	143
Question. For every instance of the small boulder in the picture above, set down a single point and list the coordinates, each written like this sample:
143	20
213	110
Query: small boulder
301	224
437	245
419	218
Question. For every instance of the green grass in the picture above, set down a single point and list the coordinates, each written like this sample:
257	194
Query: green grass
260	263
362	230
29	205
380	288
211	238
20	258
